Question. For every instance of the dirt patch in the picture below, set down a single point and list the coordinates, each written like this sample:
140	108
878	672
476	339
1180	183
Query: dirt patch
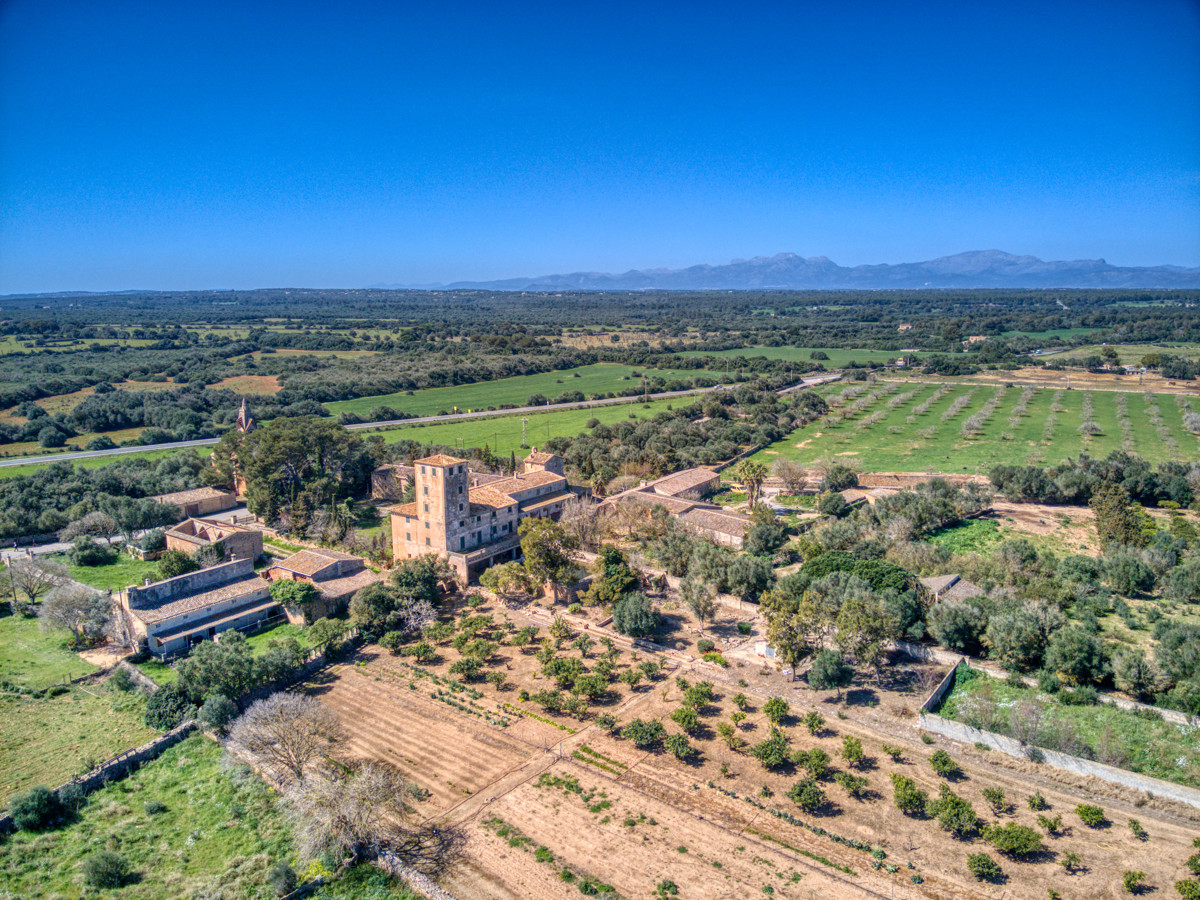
250	384
1032	376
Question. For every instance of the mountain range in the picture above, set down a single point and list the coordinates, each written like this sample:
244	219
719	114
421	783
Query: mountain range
789	271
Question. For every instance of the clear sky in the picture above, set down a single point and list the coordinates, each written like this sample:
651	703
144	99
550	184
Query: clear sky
253	144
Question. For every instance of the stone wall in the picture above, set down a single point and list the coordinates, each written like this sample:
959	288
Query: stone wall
165	591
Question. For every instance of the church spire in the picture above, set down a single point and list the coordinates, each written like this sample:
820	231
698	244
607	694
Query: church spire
245	422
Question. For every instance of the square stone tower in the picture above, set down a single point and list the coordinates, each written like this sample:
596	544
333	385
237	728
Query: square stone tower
443	500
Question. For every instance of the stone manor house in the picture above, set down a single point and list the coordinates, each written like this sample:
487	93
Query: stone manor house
470	524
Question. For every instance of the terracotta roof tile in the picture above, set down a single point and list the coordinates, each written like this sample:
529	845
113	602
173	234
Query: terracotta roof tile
491	496
405	509
438	459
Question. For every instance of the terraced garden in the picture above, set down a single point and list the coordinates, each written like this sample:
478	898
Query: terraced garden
901	426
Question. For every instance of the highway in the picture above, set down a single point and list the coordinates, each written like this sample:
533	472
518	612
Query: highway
392	423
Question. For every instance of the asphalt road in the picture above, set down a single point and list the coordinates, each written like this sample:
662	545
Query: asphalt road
362	426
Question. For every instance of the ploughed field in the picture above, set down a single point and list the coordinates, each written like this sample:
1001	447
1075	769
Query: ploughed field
550	805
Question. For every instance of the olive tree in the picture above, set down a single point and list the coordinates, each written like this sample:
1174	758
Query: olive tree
85	612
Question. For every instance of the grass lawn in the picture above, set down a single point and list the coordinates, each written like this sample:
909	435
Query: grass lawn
602	378
157	671
47	740
503	433
33	658
1115	736
127	570
838	357
892	433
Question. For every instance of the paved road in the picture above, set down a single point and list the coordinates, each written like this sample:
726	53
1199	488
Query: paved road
418	420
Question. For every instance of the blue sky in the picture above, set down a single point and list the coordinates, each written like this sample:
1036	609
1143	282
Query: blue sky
254	144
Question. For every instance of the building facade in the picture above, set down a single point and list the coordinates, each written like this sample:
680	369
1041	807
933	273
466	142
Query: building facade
237	541
336	576
178	612
199	501
475	526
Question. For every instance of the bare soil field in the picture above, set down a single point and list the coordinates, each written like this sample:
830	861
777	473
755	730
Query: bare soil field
548	805
250	384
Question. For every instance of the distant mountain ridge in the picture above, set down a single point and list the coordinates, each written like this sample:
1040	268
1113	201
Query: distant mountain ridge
789	271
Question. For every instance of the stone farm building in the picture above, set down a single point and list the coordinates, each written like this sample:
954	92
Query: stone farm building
199	501
475	526
950	588
181	611
336	576
237	541
682	495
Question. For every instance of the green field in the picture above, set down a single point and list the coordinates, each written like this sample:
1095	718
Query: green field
96	462
1117	737
1131	354
47	740
838	357
32	658
880	438
503	433
217	833
603	378
121	574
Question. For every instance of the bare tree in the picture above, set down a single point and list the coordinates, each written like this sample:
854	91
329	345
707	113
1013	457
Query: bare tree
700	597
584	520
34	577
285	732
95	524
84	612
359	813
793	475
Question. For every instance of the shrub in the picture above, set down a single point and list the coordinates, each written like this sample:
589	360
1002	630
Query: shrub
1036	801
1138	831
896	753
87	551
983	867
1091	816
71	797
105	870
807	794
1133	881
943	764
744	627
634	615
218	711
678	745
1193	863
469	667
816	761
1014	840
644	734
814	722
714	657
704	645
953	813
34	809
852	750
775	709
154	807
1188	890
120	679
994	797
686	718
909	798
772	752
282	878
854	785
606	722
168	707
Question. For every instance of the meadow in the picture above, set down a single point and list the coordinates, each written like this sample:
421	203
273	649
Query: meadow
503	433
896	426
115	576
602	378
187	826
35	659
